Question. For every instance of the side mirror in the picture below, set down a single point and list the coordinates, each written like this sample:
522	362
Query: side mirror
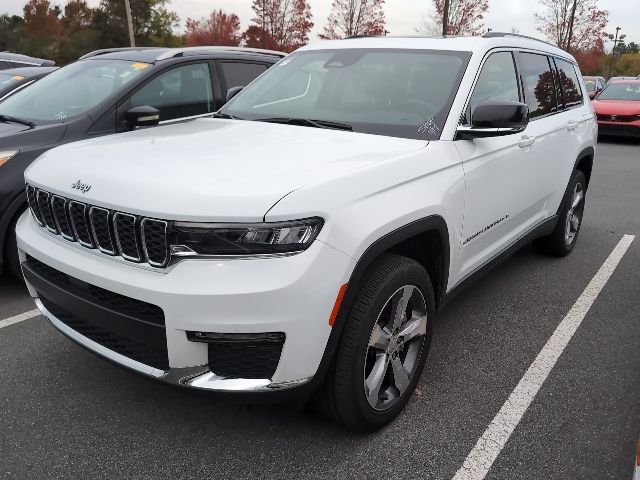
143	116
495	118
232	92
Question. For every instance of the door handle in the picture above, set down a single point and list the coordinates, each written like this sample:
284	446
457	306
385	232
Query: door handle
526	141
572	126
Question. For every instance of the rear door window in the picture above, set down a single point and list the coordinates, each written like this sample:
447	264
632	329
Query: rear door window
539	87
571	92
241	74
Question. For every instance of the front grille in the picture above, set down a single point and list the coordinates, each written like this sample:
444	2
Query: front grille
156	357
618	118
132	237
59	210
253	355
99	296
45	210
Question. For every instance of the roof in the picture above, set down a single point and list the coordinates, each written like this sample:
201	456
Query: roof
25	59
155	54
476	44
29	72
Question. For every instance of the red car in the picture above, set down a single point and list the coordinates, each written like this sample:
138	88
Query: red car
618	109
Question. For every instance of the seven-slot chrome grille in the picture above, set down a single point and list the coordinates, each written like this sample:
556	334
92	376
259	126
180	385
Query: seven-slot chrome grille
134	238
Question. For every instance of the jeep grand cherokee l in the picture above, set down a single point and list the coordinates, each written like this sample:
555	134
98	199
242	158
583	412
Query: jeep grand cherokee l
111	91
302	242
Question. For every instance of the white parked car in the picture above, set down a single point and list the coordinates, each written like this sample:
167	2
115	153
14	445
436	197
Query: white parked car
301	242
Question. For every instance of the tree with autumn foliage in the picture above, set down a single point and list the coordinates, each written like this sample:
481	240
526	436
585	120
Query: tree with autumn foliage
279	25
354	17
40	19
465	17
219	28
577	31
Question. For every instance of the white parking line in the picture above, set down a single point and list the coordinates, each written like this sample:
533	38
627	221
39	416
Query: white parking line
479	461
19	318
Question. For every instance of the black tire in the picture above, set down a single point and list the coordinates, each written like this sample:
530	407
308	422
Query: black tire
11	259
559	243
342	397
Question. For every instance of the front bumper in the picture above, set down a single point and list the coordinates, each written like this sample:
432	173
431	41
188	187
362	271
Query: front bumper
293	295
619	129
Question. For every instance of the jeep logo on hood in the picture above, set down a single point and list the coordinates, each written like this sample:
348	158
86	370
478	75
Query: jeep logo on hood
83	187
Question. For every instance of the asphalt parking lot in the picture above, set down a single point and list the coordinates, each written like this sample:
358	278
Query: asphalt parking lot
65	413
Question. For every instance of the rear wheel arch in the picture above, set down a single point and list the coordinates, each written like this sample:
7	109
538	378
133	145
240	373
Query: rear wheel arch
584	162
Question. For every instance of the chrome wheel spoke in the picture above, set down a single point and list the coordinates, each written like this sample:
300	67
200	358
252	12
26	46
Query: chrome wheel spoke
379	338
400	375
400	312
577	198
416	327
374	381
575	222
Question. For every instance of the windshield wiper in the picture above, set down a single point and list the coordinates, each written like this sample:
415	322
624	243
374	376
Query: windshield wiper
9	118
226	115
306	122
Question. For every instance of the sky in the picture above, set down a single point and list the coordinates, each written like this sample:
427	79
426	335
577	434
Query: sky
403	16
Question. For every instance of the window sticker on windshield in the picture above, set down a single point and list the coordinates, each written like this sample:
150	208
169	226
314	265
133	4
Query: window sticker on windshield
17	78
139	65
429	126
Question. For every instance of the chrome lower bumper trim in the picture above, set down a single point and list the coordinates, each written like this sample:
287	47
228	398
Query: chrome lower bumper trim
199	377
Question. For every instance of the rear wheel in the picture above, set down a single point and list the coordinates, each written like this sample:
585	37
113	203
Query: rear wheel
563	238
383	347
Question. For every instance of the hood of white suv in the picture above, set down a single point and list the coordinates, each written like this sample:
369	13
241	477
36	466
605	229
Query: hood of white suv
208	169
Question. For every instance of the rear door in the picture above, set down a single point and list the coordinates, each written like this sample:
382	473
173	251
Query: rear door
550	129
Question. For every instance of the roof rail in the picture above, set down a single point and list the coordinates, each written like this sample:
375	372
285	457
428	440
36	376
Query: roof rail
517	35
104	51
176	52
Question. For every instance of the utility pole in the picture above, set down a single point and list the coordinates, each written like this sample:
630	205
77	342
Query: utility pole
445	18
127	7
571	20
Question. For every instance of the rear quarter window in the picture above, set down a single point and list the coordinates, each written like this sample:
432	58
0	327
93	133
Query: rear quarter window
569	84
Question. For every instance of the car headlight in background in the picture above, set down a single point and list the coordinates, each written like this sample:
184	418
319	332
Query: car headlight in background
6	155
232	239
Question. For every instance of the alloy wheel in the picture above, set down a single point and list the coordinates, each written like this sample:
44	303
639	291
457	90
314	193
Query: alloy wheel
574	215
395	347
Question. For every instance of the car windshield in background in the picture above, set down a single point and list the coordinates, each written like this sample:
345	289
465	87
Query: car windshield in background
621	91
7	79
591	85
71	91
399	93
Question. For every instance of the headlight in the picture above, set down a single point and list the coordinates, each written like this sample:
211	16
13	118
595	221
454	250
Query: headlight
7	155
194	239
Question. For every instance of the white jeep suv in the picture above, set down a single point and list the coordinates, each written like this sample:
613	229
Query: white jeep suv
301	242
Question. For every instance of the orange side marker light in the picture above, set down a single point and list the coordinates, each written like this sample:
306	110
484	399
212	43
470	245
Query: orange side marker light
336	306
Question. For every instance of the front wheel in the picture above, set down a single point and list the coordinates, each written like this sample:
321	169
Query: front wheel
383	347
563	238
11	259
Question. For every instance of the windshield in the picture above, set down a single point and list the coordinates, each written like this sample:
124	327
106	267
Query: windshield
8	79
621	91
590	84
71	91
399	93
